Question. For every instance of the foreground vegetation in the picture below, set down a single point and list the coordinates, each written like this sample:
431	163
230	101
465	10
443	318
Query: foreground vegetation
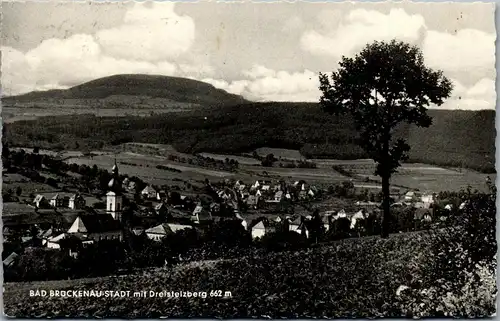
237	129
448	272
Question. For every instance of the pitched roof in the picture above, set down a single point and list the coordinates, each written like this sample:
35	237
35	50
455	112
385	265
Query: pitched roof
98	223
38	198
162	229
148	189
177	227
10	259
75	196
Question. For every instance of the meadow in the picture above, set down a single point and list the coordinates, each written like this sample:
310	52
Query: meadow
143	161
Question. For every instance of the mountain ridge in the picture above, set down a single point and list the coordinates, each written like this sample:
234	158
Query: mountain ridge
176	89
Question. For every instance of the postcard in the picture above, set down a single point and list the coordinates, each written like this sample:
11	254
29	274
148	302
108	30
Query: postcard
248	160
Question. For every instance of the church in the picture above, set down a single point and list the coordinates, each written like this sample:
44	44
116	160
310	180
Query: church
114	196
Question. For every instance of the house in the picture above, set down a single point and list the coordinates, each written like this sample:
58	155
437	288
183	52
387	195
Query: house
97	227
265	188
148	192
125	183
161	210
420	205
200	215
238	184
45	235
302	195
327	220
56	201
253	201
428	200
262	227
423	215
340	214
76	202
278	196
138	231
311	193
299	226
131	186
158	232
161	196
359	216
179	227
411	196
11	259
40	201
214	208
55	242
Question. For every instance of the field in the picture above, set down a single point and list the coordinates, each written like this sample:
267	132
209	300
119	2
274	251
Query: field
241	159
270	285
288	154
13	114
429	178
13	181
424	177
145	167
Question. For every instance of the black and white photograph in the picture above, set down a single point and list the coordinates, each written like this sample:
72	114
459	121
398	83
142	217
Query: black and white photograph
272	160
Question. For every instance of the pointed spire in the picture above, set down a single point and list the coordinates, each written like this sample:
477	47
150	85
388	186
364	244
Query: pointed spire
114	170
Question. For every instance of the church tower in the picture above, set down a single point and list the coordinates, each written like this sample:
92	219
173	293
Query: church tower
114	196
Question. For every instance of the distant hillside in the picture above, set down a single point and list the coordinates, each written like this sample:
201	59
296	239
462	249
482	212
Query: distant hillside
120	87
456	138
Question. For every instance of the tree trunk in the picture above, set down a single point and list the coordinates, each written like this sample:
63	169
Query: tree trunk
386	206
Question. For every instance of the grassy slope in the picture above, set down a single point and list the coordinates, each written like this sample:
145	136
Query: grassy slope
355	277
456	137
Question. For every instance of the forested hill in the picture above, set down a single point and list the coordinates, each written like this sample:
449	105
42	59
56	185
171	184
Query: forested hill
174	89
456	138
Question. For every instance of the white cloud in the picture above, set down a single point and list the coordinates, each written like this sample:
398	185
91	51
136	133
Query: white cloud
467	49
360	27
151	35
265	84
292	24
481	95
152	32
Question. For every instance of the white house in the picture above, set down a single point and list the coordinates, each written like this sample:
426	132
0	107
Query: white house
55	241
76	202
160	231
360	215
298	226
200	215
57	201
148	192
161	195
40	201
262	228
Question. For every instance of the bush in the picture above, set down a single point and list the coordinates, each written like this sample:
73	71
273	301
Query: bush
458	277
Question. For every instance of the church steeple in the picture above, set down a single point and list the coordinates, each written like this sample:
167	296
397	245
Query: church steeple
114	183
114	195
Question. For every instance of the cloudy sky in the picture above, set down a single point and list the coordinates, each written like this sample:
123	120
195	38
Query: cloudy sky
262	51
